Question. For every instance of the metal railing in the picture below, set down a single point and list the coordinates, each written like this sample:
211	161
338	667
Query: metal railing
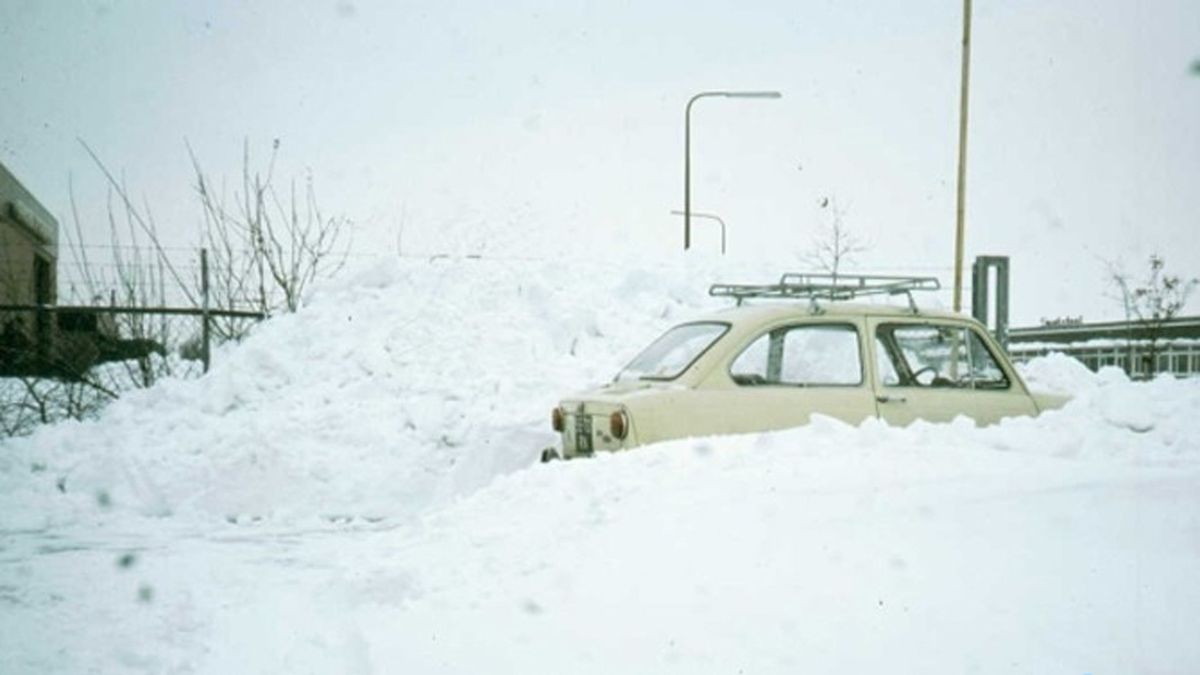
67	342
813	287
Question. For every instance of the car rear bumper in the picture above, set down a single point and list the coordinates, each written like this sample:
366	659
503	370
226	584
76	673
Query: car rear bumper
586	429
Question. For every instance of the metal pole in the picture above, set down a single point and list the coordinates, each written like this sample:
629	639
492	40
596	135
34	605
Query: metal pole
205	331
962	155
687	172
135	311
1002	302
687	151
979	291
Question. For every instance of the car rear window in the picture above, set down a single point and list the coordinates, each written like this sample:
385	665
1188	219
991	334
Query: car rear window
673	353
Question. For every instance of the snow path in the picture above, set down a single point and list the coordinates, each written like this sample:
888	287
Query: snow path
352	491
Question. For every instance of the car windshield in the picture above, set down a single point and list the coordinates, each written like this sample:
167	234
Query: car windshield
668	356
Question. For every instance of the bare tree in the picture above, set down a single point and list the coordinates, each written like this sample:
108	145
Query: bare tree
136	277
1150	304
268	247
60	380
29	402
836	244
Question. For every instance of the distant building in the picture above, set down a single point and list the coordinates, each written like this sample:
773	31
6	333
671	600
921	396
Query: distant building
1124	344
28	246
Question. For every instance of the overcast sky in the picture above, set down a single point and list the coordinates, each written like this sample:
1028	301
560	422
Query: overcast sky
556	128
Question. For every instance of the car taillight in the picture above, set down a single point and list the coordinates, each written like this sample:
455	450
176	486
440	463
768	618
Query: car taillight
618	425
556	420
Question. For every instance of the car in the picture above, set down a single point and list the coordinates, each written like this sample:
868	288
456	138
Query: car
794	349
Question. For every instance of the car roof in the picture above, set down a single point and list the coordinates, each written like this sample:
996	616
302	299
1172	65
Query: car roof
770	311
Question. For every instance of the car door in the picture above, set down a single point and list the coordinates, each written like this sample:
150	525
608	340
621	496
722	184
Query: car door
788	373
939	370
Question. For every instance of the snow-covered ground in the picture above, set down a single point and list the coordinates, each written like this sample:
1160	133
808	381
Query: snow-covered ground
354	490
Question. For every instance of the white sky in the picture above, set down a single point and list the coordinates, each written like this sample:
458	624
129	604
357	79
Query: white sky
556	128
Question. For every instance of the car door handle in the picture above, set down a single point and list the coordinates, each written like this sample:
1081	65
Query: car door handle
883	398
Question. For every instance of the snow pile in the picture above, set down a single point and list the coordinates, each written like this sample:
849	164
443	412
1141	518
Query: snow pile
403	386
939	549
1106	406
1060	374
406	385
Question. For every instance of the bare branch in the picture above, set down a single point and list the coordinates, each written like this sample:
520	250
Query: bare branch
836	245
136	217
1150	304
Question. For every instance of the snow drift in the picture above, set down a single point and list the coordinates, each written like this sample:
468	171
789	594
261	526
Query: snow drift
414	382
404	385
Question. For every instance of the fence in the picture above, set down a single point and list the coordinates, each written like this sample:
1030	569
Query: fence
69	342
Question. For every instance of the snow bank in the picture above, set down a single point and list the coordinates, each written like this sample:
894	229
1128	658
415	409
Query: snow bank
375	456
404	385
935	549
1058	373
413	382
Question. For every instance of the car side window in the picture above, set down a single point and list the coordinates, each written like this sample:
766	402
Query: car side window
914	355
807	355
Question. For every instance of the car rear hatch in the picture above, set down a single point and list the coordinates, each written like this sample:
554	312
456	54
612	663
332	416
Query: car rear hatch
587	428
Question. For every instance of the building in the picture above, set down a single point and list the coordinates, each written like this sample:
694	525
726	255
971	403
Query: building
1124	344
28	260
28	246
39	338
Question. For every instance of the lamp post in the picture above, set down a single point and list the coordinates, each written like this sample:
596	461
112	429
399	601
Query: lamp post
961	192
711	216
687	150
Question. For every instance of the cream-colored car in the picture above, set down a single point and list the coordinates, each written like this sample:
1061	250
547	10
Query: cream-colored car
772	366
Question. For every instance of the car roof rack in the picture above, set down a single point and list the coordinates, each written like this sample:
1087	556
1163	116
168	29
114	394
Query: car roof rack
832	287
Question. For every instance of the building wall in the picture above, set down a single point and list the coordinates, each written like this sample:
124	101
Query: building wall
28	245
28	262
1178	357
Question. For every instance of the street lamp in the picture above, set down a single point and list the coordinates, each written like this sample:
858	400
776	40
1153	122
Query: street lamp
711	216
687	150
960	201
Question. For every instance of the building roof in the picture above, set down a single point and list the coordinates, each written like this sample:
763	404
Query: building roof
1178	327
